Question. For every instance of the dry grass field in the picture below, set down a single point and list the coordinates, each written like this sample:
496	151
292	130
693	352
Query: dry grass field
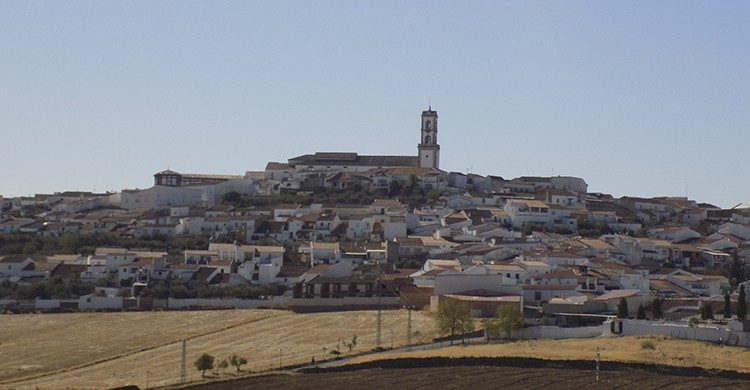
98	350
666	351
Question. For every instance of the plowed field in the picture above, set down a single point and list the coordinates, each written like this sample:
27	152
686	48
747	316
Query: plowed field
477	378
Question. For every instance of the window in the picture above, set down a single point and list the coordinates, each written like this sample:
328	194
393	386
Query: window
537	295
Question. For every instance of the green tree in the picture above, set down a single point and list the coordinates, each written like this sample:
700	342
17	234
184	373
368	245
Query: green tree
707	312
741	304
394	188
727	306
641	314
31	247
735	270
658	308
204	363
453	317
506	320
622	308
223	364
237	361
232	197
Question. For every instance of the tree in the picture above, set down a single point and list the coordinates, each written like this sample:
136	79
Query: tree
736	270
622	308
506	320
641	314
452	317
741	304
707	313
352	343
394	188
203	363
727	306
658	309
237	361
232	197
223	364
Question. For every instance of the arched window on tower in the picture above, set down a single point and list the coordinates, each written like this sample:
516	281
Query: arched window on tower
427	139
427	125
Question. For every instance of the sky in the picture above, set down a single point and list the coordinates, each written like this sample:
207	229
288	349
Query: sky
638	98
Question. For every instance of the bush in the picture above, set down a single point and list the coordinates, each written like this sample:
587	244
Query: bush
648	344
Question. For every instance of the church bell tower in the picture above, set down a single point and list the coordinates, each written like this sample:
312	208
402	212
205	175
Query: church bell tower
428	148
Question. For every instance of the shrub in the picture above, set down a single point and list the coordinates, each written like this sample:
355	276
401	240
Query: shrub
648	344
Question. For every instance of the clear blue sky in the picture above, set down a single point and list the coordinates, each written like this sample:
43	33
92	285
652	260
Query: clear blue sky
638	98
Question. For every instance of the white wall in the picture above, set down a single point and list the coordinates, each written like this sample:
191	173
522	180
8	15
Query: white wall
100	303
47	303
681	330
454	283
236	303
556	332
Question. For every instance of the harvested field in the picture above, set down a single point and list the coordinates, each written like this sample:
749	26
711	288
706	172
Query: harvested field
35	344
475	378
679	353
100	350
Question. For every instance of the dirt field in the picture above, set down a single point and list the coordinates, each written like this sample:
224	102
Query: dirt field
679	353
476	378
114	349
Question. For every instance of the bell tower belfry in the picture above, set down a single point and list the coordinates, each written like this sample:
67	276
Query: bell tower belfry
428	148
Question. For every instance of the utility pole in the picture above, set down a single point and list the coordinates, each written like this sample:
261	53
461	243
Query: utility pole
380	316
408	329
147	372
598	358
183	362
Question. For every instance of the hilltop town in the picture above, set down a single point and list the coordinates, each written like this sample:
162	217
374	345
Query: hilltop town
340	230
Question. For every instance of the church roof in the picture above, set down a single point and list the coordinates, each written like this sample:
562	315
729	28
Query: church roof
166	172
429	112
353	159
